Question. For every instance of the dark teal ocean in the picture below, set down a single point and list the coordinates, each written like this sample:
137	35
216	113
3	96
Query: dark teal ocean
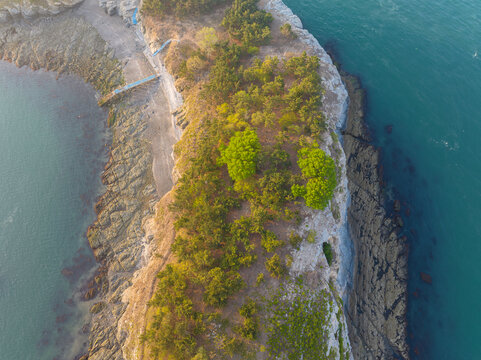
420	62
52	151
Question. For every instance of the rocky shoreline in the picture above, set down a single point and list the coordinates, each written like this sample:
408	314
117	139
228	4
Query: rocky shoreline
378	299
69	44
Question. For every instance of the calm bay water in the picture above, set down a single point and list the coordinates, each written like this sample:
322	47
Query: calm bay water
52	150
419	62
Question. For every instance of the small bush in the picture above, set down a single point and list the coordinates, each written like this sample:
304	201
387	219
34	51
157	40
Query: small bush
286	30
260	279
295	240
275	266
201	354
298	324
289	260
311	237
269	241
327	249
250	328
206	39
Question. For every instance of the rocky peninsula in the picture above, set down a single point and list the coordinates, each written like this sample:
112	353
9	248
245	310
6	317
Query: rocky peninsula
134	231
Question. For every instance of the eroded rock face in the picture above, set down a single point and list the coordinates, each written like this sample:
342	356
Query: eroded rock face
63	45
377	303
12	9
124	8
117	237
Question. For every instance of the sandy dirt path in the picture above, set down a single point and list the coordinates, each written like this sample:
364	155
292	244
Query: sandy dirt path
158	101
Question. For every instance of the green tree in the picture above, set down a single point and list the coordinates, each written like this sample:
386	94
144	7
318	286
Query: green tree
179	8
269	241
275	267
250	327
224	78
241	154
286	30
206	39
221	285
201	355
320	171
327	249
246	23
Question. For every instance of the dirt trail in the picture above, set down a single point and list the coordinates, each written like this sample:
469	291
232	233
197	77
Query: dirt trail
129	47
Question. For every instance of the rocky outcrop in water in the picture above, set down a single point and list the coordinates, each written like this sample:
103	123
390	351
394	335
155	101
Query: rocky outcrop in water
377	303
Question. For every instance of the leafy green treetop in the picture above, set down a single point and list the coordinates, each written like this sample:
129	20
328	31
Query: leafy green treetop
320	171
206	39
245	22
241	154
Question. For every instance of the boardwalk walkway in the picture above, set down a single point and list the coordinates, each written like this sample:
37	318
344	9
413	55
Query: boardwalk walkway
118	91
151	59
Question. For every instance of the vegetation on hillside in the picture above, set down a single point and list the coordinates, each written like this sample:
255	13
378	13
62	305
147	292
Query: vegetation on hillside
179	8
252	119
320	172
297	322
246	23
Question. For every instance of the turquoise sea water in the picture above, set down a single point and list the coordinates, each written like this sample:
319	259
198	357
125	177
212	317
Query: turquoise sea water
52	149
420	62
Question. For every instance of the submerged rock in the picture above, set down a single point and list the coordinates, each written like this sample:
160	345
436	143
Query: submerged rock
397	205
426	278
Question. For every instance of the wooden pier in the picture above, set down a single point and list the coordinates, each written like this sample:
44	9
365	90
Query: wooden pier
127	87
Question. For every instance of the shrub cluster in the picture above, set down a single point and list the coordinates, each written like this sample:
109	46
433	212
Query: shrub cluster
320	172
293	311
246	23
250	118
179	8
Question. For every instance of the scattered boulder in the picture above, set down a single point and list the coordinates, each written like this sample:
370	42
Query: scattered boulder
399	221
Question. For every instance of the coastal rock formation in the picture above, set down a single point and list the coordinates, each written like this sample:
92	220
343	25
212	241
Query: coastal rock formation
157	253
117	237
64	45
28	9
123	8
377	303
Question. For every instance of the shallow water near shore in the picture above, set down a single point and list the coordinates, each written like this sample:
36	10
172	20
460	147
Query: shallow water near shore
420	65
52	146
